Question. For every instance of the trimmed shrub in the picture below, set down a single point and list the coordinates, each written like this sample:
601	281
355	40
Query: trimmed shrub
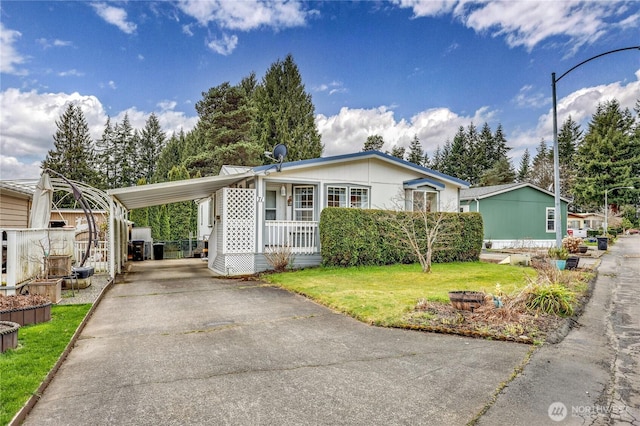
352	237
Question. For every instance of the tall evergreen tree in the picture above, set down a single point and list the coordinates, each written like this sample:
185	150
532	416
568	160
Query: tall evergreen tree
373	143
416	153
227	124
169	157
179	213
152	140
569	138
501	173
73	156
285	113
608	157
542	167
398	152
104	154
124	155
524	172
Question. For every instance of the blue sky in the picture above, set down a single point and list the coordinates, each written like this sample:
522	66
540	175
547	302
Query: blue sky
398	68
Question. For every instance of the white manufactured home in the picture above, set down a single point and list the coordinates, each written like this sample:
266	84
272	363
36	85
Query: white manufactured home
246	211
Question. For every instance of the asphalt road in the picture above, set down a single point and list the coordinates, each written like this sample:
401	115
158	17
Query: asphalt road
592	377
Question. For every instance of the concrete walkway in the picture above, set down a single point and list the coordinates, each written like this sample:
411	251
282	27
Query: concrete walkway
592	377
174	345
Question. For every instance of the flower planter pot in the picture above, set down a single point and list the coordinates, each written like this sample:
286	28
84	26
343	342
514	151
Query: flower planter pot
582	249
8	335
27	315
51	289
560	264
466	300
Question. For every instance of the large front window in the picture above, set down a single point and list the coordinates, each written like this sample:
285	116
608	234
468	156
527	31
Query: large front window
424	201
303	203
346	196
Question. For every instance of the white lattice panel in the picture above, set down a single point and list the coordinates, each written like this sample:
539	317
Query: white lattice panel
239	264
239	218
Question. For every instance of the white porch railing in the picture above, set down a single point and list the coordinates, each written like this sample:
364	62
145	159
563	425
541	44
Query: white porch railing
25	250
98	256
301	236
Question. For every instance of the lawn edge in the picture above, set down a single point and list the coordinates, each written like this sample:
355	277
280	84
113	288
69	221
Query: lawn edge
21	415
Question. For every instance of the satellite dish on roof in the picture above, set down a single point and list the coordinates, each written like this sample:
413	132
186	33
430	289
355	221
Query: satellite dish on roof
279	152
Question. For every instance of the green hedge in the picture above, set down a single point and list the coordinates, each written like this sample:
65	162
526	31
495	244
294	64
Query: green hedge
352	237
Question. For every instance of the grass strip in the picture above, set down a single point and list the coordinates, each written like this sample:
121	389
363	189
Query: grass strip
23	369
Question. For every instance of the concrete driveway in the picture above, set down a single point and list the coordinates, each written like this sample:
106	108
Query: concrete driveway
173	344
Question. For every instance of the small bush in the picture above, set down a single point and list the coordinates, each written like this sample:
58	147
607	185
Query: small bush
552	299
278	257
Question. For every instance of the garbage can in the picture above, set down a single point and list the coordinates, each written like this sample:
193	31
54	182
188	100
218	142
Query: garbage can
158	251
138	250
602	243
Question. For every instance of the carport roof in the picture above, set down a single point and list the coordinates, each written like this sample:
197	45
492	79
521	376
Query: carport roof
136	197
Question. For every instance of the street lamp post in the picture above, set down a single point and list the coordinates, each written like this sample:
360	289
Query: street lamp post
606	207
556	160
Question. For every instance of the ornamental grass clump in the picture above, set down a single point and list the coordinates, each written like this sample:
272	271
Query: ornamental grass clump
550	298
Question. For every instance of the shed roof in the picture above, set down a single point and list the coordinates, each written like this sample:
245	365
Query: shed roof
493	190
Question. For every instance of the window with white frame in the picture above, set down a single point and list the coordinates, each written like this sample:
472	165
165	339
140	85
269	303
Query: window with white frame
358	197
303	202
270	205
551	219
424	201
336	196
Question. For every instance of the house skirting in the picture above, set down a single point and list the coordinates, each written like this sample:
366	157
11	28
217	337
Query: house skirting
249	264
522	244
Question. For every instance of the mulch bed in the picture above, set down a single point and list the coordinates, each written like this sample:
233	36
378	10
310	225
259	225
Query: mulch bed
485	322
21	301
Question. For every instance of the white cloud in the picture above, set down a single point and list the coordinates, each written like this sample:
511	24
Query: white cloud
246	15
582	104
347	131
71	73
225	45
528	23
115	16
331	88
10	58
527	98
29	122
46	43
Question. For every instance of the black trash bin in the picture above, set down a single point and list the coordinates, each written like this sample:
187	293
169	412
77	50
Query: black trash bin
158	251
602	243
138	250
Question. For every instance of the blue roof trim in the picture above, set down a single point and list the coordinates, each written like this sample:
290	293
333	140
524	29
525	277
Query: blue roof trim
414	183
364	154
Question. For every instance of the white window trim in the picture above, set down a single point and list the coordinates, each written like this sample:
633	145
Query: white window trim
347	190
434	205
312	209
546	220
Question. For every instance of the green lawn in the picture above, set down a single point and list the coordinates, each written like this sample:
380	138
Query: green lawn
380	295
23	369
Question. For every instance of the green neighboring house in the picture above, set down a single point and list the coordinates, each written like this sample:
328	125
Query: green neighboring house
516	214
